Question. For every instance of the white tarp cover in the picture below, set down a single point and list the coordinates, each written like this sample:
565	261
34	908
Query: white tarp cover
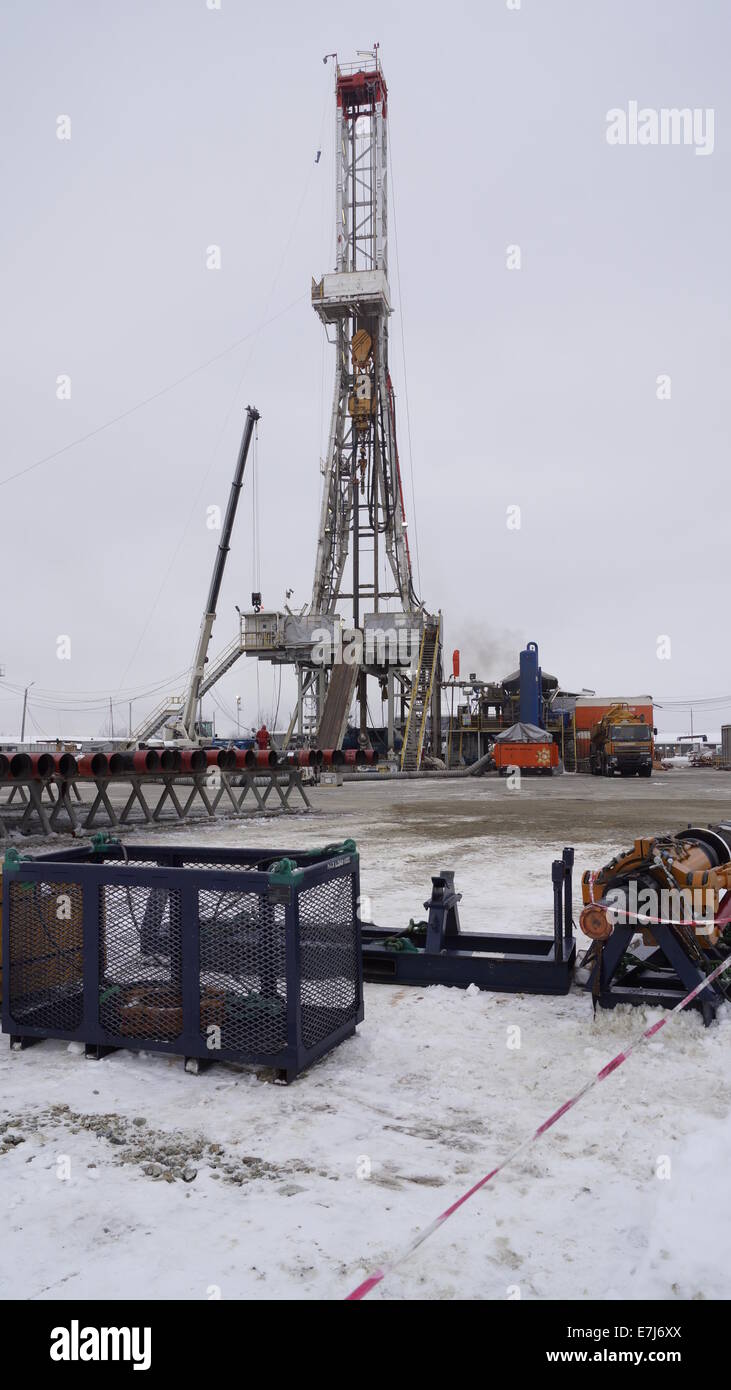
524	733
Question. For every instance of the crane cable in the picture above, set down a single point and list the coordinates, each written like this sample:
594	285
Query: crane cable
403	359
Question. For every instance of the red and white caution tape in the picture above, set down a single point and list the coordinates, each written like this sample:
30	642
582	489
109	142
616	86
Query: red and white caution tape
624	917
380	1274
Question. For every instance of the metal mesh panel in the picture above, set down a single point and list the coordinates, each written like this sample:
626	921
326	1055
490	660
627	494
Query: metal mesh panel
243	994
46	971
140	990
328	958
212	864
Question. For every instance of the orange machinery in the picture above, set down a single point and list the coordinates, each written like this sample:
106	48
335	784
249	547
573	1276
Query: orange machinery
672	895
534	757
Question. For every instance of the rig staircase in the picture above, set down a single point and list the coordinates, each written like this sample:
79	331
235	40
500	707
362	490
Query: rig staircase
168	708
223	663
422	688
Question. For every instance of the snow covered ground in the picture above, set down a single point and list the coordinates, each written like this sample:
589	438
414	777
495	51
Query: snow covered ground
129	1178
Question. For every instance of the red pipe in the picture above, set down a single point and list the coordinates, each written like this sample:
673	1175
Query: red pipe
193	760
333	757
267	757
116	764
43	765
20	765
4	765
66	765
225	758
94	765
245	757
360	756
170	760
144	760
304	757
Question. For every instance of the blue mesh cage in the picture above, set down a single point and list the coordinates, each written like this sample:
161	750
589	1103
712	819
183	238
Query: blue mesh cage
234	955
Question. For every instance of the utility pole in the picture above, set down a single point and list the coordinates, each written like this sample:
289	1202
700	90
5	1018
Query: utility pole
25	706
130	718
111	716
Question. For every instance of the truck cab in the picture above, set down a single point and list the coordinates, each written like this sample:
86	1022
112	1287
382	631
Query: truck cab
621	742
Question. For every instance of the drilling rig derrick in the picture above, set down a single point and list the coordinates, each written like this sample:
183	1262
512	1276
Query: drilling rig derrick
363	594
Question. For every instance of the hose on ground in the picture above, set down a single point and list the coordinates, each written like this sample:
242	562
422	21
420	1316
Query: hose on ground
473	770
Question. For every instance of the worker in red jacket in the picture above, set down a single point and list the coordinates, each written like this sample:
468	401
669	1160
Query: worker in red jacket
262	737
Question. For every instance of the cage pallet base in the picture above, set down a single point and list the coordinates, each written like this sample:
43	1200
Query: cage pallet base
286	1069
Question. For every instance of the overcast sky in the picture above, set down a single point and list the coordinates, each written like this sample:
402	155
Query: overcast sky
536	388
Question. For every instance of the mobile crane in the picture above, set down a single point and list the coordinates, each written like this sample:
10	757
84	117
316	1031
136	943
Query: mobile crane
185	727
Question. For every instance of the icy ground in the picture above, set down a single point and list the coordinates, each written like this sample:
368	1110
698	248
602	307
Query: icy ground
129	1178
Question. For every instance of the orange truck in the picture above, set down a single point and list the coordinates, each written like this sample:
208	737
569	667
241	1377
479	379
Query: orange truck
591	709
621	741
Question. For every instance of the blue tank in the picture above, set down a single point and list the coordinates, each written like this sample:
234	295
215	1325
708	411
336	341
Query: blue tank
530	686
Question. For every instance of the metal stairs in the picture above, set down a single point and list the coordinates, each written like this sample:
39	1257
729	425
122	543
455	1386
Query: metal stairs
420	698
223	663
172	705
168	708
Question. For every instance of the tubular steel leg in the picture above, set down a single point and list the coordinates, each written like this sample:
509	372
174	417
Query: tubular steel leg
568	906
101	799
169	793
135	795
63	803
35	807
557	878
249	785
95	1052
685	969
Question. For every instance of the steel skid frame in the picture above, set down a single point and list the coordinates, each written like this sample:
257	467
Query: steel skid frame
658	976
438	952
56	806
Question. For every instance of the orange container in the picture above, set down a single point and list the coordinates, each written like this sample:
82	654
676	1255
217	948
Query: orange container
542	756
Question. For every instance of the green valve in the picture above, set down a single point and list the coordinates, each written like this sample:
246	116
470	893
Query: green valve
283	871
340	847
400	943
101	841
13	860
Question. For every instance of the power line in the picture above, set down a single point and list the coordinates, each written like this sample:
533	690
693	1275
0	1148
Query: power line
254	335
60	699
702	702
124	415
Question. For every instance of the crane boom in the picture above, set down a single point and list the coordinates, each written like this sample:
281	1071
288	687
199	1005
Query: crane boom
186	725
